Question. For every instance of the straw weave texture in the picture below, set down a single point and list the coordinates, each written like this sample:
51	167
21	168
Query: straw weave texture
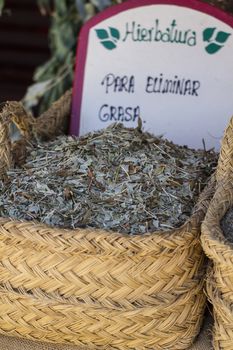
220	279
99	289
225	164
223	317
55	121
218	249
60	321
87	286
203	342
50	124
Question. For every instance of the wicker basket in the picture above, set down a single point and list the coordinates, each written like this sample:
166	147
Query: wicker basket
225	163
223	316
219	250
220	279
94	288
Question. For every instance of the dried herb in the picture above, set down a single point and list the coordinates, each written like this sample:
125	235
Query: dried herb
227	225
117	178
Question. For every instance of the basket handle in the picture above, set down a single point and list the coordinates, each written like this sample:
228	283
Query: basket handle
12	112
5	144
203	202
51	123
225	163
55	120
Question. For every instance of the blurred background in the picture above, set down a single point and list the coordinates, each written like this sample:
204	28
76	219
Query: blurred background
38	44
24	46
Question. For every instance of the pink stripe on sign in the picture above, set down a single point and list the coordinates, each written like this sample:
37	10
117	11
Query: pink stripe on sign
112	11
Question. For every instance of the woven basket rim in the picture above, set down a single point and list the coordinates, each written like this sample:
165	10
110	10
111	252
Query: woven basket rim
115	239
225	161
114	234
188	231
212	234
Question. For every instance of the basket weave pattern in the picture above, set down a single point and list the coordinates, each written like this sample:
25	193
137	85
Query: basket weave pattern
102	289
91	287
225	164
53	320
223	316
219	250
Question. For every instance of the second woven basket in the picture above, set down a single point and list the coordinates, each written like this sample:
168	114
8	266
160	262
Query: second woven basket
219	250
220	277
102	289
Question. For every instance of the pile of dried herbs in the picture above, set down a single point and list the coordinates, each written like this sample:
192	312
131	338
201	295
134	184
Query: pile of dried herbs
117	178
227	225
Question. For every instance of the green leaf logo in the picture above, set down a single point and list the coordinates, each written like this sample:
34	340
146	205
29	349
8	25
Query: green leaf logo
114	33
215	40
213	48
108	38
108	44
102	34
222	37
208	33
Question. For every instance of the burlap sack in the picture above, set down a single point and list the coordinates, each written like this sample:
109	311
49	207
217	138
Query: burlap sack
7	343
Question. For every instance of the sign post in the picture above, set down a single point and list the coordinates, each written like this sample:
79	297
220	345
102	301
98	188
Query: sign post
168	62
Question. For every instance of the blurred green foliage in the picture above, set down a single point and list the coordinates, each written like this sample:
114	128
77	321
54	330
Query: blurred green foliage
1	6
54	77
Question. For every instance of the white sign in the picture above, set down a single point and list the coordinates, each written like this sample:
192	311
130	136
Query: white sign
168	62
